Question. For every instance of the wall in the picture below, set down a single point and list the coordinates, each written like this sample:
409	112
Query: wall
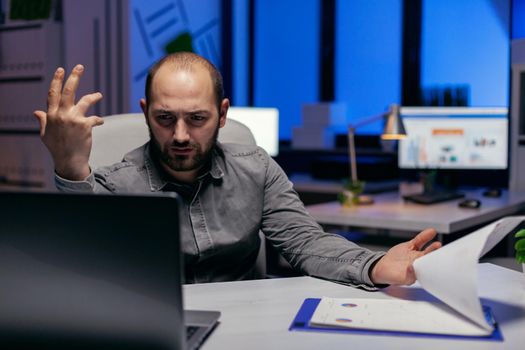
467	42
158	27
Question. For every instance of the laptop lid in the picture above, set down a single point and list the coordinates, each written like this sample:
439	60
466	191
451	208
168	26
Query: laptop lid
90	270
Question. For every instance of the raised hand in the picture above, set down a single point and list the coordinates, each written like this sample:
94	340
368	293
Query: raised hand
65	129
396	266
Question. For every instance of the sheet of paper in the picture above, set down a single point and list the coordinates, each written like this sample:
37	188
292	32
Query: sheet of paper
392	315
450	273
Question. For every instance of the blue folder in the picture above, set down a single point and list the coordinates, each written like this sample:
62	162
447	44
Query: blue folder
301	322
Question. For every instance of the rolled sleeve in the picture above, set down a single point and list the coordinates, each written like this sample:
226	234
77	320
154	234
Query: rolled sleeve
365	273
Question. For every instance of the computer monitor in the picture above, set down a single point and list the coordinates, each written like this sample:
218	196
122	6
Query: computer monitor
460	138
263	123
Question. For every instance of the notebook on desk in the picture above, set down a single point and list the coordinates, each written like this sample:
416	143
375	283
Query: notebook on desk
97	271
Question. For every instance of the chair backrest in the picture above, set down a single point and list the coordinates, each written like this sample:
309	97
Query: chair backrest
118	135
122	133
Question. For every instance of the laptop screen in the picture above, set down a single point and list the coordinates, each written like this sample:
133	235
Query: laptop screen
92	269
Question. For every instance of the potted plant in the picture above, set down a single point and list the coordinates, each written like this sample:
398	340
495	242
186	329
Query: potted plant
520	248
351	192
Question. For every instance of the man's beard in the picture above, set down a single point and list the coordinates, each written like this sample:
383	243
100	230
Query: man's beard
201	156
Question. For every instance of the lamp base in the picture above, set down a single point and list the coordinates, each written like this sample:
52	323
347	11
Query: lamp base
365	200
349	199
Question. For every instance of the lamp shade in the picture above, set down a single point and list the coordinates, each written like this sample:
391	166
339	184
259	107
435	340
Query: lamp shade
394	128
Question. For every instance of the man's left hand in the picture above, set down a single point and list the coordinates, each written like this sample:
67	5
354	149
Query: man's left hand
396	266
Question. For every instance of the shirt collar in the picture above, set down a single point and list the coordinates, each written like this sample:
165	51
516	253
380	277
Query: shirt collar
158	180
217	157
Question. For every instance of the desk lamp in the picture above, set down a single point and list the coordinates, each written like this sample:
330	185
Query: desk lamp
393	130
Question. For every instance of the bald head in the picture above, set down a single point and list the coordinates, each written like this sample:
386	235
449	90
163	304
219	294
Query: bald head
187	61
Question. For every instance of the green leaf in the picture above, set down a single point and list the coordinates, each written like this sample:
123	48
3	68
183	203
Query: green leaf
183	42
340	198
520	233
520	245
520	259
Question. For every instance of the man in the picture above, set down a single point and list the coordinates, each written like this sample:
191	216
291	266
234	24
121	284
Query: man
229	191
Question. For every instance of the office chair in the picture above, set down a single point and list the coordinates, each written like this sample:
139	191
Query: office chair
122	133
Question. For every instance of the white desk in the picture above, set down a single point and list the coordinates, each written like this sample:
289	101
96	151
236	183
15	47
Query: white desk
257	314
392	212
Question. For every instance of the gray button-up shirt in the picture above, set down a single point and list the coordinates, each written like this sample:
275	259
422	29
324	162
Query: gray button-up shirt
243	192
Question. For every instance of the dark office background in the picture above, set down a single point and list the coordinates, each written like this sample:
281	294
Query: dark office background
367	54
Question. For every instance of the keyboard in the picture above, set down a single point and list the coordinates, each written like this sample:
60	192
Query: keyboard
433	197
190	330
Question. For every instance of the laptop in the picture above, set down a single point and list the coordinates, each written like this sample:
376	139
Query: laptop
85	271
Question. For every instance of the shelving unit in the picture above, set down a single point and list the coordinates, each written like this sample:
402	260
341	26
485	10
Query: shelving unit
30	51
517	125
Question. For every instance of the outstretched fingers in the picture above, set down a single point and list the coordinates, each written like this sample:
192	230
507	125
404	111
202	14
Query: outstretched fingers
67	99
432	247
422	238
95	120
42	120
87	101
55	91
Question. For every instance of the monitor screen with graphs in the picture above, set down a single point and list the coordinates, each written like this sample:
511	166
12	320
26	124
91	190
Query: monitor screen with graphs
454	138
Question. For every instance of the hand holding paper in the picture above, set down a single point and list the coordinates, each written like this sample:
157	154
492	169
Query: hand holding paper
395	267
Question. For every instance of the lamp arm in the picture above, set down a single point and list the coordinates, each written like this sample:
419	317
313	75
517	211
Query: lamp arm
351	142
351	153
393	111
368	120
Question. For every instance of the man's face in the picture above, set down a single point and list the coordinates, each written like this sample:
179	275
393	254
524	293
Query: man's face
183	119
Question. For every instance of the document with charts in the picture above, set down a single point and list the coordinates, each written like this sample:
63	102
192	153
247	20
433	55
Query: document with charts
392	315
449	274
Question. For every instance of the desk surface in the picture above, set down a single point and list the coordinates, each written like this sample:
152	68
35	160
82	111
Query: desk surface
257	314
390	211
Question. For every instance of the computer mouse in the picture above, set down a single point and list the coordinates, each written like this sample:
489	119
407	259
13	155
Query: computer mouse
470	203
493	193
